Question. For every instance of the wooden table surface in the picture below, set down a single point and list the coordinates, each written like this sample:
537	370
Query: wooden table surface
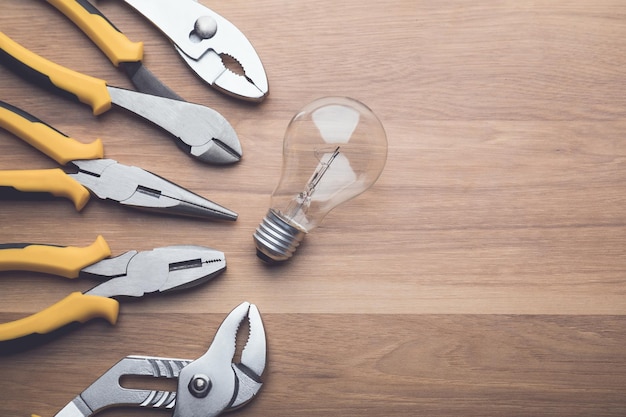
484	274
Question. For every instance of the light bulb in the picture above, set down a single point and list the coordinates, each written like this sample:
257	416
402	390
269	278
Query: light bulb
334	149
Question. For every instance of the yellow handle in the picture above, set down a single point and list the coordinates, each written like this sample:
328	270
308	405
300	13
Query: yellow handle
53	181
59	260
61	80
47	139
76	307
115	45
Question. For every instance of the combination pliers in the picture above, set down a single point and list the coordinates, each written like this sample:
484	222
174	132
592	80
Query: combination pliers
132	274
109	180
206	386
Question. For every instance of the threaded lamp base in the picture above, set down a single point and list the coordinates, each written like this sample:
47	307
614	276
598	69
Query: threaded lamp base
275	239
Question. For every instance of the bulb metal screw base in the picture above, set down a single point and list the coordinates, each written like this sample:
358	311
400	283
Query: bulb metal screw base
275	239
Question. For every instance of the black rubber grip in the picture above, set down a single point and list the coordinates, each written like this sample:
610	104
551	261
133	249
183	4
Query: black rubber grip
32	75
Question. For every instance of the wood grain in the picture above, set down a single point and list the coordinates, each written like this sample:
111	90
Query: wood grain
483	275
372	364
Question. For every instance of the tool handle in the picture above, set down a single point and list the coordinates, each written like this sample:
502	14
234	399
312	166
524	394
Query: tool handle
54	77
51	181
65	261
45	138
76	307
115	45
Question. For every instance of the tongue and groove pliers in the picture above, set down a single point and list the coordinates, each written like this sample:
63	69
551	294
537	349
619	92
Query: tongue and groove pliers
206	387
109	180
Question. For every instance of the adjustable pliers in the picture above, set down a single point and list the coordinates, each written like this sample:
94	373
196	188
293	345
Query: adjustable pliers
206	387
200	36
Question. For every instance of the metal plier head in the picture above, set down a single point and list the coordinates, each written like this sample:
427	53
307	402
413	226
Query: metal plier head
207	386
135	187
213	383
202	37
165	269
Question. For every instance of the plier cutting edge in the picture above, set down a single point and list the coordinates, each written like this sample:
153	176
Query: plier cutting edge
199	131
206	387
132	274
109	180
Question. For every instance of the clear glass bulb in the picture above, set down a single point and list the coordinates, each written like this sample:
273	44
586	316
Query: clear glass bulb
334	149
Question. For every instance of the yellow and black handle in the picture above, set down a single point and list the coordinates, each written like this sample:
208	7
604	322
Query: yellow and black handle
113	43
53	143
76	307
45	138
64	261
36	183
54	77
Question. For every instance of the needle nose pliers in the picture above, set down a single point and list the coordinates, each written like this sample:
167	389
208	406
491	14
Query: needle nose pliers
132	274
106	178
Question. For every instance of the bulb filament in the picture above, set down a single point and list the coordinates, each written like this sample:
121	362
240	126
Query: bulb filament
304	198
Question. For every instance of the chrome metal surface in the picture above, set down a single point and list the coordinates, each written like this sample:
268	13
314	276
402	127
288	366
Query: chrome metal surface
275	239
206	387
134	274
200	44
202	132
216	364
76	408
107	391
135	187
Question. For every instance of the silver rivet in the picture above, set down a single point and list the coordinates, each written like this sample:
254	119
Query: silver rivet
199	386
205	27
